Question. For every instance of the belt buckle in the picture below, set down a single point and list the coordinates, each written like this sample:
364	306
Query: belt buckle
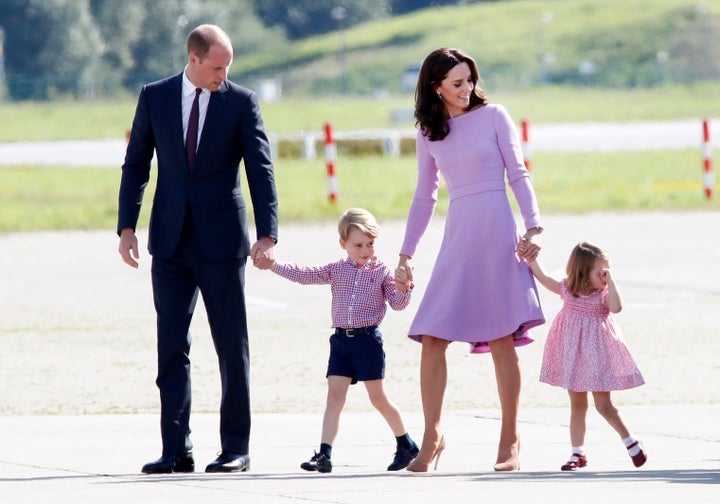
350	333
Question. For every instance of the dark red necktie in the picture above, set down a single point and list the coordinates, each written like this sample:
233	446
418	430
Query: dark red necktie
192	130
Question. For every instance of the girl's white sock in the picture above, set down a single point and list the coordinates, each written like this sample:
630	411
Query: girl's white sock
577	450
628	441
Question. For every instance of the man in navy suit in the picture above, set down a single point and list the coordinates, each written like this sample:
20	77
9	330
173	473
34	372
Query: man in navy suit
198	236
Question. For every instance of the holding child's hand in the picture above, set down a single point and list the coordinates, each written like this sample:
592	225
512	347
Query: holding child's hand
402	279
527	248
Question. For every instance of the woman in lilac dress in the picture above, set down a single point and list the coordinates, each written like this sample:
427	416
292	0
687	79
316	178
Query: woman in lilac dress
481	291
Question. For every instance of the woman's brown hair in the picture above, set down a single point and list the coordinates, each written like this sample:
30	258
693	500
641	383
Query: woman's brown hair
430	114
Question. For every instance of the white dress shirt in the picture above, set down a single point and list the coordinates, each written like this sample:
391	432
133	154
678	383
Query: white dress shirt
188	95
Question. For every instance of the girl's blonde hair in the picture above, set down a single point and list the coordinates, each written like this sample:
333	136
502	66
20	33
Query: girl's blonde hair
360	219
580	264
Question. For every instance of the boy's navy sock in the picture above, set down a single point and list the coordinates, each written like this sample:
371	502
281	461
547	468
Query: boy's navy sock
405	441
326	450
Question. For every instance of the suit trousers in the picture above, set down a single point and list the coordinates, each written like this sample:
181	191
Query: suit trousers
176	283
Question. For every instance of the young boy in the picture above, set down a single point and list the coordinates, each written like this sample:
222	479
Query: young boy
360	285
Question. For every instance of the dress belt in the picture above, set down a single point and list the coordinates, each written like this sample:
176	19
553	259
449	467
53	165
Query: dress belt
489	185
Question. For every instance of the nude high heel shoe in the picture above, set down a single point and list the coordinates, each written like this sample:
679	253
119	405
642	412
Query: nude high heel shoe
419	466
513	462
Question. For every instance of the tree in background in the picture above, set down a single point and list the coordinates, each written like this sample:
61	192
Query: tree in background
120	25
405	6
51	47
99	47
303	18
86	48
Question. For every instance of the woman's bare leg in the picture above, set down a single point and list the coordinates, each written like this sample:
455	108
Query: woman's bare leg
433	380
509	381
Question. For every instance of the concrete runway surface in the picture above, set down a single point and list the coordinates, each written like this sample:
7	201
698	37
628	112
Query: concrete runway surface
79	405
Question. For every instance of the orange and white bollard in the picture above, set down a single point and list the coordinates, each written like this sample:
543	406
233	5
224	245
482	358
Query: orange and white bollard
525	128
330	156
708	176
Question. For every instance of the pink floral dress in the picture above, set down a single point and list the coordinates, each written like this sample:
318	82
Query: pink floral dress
585	350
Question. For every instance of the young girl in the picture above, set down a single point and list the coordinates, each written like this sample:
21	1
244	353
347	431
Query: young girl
585	351
361	286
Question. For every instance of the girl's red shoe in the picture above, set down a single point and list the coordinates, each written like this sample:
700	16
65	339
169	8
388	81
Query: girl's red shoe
576	461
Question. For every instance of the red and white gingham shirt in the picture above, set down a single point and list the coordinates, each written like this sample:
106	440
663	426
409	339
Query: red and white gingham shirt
358	293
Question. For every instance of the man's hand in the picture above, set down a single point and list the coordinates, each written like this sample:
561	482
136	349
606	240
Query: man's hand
262	253
128	247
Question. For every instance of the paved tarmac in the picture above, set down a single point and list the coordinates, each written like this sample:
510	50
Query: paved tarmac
72	318
96	459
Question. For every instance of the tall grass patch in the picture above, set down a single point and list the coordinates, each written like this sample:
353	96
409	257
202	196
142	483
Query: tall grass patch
38	198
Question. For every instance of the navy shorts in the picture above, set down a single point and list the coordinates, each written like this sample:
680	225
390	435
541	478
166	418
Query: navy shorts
359	356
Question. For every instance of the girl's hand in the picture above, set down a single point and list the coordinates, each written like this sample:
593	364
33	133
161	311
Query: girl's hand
605	275
527	248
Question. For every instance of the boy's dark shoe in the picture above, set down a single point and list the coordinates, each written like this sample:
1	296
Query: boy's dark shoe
403	457
319	463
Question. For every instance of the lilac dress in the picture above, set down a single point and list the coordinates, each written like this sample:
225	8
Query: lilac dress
479	289
585	350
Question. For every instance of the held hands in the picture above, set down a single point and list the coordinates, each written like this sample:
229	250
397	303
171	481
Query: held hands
404	274
402	279
262	253
527	248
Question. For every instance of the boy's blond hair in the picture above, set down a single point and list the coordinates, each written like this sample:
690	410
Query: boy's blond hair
360	219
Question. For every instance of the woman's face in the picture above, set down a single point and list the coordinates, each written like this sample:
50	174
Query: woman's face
455	89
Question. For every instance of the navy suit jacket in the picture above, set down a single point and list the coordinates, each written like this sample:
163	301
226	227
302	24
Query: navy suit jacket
233	131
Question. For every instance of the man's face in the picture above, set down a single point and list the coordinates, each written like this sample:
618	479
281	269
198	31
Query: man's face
210	71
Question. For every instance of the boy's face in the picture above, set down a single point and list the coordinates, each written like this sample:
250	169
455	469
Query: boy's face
360	247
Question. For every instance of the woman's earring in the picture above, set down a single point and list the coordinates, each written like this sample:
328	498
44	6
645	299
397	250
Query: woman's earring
438	93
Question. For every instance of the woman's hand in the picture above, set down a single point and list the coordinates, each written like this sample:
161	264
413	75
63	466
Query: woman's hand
402	279
528	246
404	273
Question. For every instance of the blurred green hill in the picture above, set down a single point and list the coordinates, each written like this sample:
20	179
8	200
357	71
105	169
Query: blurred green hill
599	43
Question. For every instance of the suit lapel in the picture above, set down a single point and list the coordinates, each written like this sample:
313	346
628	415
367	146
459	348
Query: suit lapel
174	105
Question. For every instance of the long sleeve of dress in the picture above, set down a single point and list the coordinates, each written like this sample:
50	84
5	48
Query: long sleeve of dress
425	198
518	177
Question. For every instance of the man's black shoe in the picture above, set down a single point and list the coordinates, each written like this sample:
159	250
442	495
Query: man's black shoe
171	464
229	462
403	457
319	463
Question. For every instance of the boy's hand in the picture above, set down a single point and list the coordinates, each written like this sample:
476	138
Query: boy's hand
402	279
262	253
265	265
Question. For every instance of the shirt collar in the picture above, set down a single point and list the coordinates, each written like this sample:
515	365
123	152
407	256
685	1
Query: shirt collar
188	88
369	264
